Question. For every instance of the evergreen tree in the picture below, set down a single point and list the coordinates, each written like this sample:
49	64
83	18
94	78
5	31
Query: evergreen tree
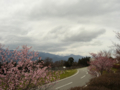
70	61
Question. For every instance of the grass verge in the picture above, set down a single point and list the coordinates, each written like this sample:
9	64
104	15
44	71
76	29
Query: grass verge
68	73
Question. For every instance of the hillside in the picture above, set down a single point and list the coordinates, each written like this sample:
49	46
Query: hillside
58	57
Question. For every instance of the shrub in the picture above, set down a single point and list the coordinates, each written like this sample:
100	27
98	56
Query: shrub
110	81
116	66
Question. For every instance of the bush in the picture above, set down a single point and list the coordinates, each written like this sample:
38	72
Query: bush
117	66
110	81
90	88
76	88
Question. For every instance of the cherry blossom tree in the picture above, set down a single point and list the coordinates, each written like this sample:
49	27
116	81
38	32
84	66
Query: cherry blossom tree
19	72
101	62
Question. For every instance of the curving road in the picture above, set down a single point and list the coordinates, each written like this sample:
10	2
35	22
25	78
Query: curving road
79	79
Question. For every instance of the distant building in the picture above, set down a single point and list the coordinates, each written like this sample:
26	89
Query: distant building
64	67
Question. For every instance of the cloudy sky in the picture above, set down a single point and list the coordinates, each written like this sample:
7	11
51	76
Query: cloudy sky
60	27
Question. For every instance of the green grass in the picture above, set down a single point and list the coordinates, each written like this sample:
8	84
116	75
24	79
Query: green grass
114	69
68	73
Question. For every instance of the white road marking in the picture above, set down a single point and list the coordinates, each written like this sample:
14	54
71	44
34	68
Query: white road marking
83	76
63	85
66	78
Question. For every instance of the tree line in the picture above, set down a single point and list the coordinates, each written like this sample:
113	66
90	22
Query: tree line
83	62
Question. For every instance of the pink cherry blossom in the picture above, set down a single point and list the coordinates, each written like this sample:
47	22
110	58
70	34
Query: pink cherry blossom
100	63
25	74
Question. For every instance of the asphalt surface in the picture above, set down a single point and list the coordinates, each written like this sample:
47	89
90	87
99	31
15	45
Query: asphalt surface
78	79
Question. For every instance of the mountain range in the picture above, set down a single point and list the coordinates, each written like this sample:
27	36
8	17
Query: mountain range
54	57
58	57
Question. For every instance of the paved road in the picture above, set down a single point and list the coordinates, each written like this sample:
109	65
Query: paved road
79	79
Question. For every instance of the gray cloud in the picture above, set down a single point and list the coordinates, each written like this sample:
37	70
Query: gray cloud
45	47
51	48
51	26
0	38
17	39
79	8
10	26
80	44
61	38
58	32
84	36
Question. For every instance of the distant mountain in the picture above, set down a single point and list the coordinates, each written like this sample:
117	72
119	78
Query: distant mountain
55	57
58	57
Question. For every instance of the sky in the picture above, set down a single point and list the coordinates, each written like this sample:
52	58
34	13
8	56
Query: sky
60	27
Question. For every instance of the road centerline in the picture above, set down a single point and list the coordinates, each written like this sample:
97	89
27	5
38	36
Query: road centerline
83	76
63	85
